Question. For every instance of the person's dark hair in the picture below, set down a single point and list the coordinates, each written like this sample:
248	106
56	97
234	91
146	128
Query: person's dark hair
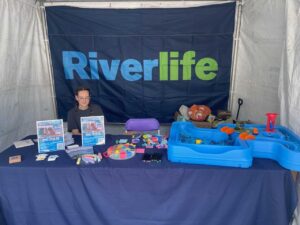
82	89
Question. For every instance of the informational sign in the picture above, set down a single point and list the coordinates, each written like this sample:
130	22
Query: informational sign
92	130
141	63
50	135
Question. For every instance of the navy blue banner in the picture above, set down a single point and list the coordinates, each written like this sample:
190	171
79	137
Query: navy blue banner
142	62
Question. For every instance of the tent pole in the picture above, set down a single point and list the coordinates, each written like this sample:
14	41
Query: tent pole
236	38
50	68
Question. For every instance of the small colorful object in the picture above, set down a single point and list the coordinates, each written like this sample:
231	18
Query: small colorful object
255	131
89	159
246	136
121	151
198	141
227	130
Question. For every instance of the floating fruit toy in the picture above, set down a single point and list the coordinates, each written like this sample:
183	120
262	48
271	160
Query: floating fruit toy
246	136
255	131
227	130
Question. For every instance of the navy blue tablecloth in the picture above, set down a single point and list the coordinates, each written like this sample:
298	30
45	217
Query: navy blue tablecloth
132	192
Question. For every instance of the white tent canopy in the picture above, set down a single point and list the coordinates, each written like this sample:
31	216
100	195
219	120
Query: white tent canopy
264	70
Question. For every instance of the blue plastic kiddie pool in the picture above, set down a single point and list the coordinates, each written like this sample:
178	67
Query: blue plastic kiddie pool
189	144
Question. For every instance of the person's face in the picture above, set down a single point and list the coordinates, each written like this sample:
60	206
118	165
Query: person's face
83	99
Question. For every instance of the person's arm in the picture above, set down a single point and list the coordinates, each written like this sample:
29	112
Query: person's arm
72	123
75	132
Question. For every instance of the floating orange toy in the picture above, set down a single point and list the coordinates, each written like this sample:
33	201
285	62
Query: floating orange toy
255	131
246	136
227	130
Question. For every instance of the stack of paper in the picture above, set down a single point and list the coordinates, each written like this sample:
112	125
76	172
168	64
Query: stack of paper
78	151
23	143
68	139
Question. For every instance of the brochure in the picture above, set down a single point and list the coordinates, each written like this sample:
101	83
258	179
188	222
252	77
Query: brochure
50	135
92	130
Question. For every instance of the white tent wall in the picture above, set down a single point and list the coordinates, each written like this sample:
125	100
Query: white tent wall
257	66
289	82
24	73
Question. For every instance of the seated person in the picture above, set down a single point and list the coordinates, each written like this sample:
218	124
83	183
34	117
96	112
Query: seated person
83	108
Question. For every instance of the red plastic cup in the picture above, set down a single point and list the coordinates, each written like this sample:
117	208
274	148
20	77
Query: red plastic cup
271	119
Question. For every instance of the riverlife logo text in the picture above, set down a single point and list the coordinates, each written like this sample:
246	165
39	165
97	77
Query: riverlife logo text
170	64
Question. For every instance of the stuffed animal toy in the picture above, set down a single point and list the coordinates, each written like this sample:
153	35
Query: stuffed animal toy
199	112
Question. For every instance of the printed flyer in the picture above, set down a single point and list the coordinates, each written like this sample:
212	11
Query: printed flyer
92	130
50	135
